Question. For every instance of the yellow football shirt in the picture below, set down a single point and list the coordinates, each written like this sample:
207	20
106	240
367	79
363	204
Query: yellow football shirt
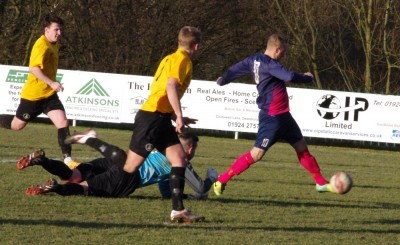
176	65
45	56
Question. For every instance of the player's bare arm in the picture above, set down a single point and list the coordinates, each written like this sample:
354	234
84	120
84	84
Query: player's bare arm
186	120
173	97
56	86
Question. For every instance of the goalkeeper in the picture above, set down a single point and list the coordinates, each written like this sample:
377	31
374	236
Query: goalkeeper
104	176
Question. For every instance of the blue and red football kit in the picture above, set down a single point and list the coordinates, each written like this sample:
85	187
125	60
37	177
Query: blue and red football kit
275	121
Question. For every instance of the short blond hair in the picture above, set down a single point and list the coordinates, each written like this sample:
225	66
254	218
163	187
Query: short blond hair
276	41
189	36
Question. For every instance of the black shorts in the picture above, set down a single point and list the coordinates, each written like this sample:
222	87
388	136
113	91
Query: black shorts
29	110
106	179
95	167
152	130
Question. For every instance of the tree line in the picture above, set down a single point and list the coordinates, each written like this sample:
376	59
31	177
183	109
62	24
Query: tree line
349	45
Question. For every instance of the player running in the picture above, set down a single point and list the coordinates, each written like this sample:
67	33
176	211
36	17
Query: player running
275	121
39	93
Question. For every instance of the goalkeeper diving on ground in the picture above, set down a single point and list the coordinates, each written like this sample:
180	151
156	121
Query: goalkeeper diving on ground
104	176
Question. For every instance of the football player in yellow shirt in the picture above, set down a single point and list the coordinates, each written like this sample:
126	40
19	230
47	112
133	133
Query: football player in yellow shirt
153	127
39	94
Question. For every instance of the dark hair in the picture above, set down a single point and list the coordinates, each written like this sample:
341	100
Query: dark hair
187	136
52	18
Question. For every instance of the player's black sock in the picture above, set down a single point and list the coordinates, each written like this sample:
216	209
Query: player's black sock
69	189
57	168
63	133
117	155
177	184
5	121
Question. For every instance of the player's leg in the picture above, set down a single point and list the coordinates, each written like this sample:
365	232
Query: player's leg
309	163
59	120
166	140
293	135
267	135
48	186
5	121
54	167
54	109
133	162
27	111
89	137
11	122
176	156
142	140
34	158
122	179
18	124
58	168
81	138
70	189
242	163
38	158
52	185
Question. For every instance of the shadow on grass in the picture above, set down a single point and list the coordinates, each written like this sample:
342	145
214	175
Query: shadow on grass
349	204
151	198
255	180
207	226
308	204
384	222
294	203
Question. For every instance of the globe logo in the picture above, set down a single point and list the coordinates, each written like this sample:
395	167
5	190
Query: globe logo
327	106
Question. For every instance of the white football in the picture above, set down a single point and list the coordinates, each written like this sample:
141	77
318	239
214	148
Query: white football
341	182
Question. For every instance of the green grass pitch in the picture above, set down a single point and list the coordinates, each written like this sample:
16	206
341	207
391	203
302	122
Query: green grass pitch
273	202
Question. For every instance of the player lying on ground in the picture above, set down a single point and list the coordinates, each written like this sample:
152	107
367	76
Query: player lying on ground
96	177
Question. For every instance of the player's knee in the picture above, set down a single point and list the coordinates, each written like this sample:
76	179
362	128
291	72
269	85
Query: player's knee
300	145
256	155
175	177
176	191
118	156
17	126
130	167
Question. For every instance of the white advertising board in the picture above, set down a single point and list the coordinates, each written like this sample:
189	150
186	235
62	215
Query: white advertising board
105	97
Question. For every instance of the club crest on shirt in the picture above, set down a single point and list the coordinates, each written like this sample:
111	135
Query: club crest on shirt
149	147
26	116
